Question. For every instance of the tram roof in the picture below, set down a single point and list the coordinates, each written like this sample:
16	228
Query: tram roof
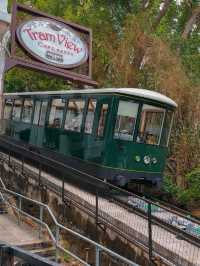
147	94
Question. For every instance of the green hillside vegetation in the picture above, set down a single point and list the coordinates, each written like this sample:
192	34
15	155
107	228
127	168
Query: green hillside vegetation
140	43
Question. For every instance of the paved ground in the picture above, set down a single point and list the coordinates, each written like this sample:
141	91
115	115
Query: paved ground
12	233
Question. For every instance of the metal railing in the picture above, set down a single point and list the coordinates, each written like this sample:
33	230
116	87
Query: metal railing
20	256
157	226
55	239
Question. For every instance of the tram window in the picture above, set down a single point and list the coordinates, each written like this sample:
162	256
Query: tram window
37	112
166	128
43	113
56	113
17	107
8	109
102	120
40	113
90	116
27	111
74	115
150	125
126	120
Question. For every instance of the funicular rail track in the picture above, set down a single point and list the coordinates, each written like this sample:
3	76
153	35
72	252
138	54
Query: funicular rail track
142	208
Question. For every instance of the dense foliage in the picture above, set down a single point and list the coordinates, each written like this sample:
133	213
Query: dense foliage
140	43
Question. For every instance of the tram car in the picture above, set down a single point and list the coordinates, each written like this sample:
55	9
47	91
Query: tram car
119	135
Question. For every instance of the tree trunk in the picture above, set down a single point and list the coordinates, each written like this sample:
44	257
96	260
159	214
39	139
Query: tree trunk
145	4
161	13
194	18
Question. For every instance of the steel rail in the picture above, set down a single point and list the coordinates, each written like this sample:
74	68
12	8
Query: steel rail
50	162
185	234
58	190
143	214
167	226
173	229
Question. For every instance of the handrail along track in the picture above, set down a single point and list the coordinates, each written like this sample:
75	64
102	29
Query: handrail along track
55	239
193	239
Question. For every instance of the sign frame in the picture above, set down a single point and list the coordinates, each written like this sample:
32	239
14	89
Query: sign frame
68	74
23	44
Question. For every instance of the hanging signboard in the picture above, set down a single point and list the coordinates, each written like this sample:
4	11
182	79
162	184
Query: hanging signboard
46	43
52	43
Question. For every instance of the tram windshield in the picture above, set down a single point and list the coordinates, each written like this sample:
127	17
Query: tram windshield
126	120
166	128
155	125
150	125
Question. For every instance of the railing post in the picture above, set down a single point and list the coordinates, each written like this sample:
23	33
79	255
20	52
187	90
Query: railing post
9	158
20	208
14	168
63	189
97	207
150	233
39	175
97	214
22	164
8	174
41	219
6	256
1	169
57	241
97	256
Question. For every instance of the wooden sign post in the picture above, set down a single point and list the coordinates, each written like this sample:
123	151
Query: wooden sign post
5	19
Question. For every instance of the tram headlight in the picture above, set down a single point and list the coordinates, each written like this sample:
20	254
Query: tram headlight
147	159
154	160
137	158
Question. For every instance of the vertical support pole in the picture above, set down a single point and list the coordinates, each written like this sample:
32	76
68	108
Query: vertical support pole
97	257
9	158
97	214
22	165
97	207
63	190
41	219
87	254
150	234
1	92
5	20
14	167
2	169
57	241
6	256
39	175
20	208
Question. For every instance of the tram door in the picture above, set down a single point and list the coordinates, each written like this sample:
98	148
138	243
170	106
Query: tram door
100	129
39	122
124	132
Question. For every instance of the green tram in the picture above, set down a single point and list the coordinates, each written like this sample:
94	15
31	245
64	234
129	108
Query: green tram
119	135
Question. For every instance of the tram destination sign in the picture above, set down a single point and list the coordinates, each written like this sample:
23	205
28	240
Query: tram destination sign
52	42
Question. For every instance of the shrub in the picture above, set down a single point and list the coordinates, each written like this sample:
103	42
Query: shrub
191	195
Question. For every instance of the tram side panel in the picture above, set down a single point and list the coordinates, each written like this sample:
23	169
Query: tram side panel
108	151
